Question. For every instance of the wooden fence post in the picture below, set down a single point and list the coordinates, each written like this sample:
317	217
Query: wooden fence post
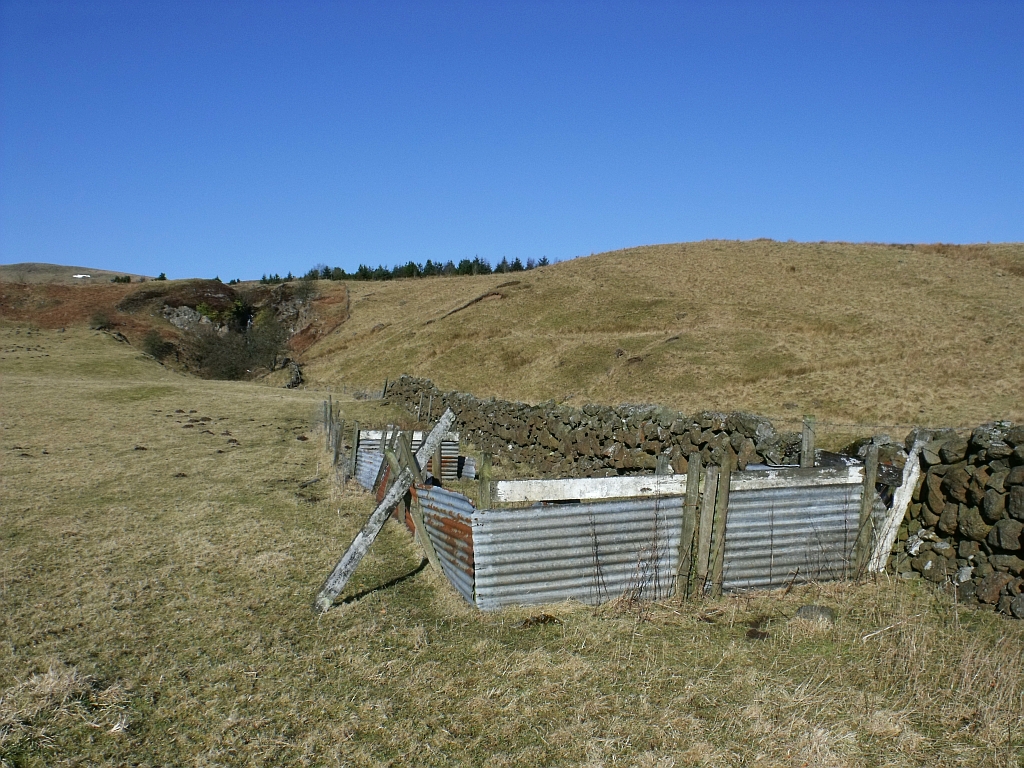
718	541
704	525
485	482
342	572
900	501
683	575
862	551
337	432
435	466
807	443
355	449
407	457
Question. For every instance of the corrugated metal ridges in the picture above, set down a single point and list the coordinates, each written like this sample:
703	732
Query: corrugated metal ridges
776	536
367	466
370	438
589	552
448	518
449	461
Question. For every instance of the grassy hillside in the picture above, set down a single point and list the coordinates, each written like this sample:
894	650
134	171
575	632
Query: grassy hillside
58	274
856	334
159	554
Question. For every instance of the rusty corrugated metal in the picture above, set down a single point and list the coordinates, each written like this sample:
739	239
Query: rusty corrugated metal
591	552
777	536
448	518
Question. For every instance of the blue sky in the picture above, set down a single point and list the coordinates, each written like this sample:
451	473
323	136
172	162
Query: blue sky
203	138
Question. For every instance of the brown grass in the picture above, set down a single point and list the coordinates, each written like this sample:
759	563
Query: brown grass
154	619
874	336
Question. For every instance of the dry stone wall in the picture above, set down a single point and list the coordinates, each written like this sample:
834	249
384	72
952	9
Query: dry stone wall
598	440
966	523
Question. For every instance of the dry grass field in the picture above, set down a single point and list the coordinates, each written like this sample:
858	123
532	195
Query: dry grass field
855	334
158	559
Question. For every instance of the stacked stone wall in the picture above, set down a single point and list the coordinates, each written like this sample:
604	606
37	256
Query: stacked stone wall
965	526
598	440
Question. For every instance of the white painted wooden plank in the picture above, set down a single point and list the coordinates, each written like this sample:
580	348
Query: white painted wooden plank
591	488
791	477
588	488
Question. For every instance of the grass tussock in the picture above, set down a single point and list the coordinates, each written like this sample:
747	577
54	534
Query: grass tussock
159	552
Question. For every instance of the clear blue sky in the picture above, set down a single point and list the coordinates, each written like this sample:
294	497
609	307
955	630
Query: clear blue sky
203	138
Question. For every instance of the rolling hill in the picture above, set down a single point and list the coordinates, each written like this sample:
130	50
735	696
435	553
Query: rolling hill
59	274
858	334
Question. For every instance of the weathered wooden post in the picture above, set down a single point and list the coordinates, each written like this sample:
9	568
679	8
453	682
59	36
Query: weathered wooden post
807	443
355	450
485	482
862	551
338	431
663	467
718	540
343	571
704	528
435	464
405	458
900	501
419	408
683	583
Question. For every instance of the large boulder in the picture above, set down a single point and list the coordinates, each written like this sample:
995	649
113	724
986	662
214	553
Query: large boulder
1015	502
1006	535
947	522
971	523
991	586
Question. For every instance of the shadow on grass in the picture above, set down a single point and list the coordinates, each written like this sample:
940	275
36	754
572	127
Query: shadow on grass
386	585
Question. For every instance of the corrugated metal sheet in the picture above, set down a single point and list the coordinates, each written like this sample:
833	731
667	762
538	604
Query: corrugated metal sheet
591	552
448	518
367	466
449	449
776	536
449	461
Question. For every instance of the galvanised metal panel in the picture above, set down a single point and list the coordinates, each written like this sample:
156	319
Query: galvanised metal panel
591	552
778	536
448	518
367	466
449	461
370	438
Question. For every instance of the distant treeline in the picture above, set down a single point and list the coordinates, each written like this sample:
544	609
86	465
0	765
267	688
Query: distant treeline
475	266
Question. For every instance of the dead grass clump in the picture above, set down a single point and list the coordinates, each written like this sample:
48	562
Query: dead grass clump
33	710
